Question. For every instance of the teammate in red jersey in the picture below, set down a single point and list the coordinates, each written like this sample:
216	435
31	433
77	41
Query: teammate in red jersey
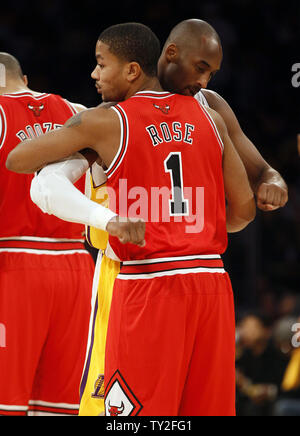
156	365
45	271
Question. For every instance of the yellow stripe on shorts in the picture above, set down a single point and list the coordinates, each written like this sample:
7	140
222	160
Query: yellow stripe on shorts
92	384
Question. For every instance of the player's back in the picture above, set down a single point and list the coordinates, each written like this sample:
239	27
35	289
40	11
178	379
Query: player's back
168	171
24	115
44	267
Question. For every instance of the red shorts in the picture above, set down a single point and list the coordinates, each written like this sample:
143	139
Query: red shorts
45	302
171	345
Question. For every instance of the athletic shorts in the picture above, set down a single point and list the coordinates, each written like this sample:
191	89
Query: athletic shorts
45	305
170	347
92	383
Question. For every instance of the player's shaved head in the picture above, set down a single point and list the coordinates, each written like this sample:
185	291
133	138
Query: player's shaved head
12	66
192	30
191	56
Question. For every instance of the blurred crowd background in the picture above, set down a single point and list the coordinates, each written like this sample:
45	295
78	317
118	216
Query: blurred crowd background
54	41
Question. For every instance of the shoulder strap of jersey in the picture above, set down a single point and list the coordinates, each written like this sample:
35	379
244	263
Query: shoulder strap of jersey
213	126
3	126
200	97
71	106
123	141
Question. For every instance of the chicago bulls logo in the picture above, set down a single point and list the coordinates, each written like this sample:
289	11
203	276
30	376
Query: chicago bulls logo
36	109
115	410
119	398
164	109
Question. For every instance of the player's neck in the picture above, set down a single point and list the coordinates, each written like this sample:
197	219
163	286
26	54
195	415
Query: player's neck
149	84
13	87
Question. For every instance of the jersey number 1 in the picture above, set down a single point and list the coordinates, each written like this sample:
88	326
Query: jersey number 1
178	205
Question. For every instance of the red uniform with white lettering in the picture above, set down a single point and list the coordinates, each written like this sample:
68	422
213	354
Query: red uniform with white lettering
170	345
45	276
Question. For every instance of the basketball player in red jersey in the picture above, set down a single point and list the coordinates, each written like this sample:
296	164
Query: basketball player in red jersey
186	65
155	365
45	271
191	56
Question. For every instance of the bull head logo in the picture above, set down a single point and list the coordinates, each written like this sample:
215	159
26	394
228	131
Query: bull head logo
115	410
36	109
164	109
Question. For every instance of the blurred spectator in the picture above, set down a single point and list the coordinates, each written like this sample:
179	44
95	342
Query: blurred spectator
288	304
259	368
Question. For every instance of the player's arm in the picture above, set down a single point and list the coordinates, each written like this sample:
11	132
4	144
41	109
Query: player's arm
53	191
87	129
241	208
89	154
98	129
268	185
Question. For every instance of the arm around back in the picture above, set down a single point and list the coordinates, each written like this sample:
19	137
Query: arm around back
54	193
268	185
241	207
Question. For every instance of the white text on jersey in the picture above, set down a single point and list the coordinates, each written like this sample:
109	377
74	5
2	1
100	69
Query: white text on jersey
31	132
176	133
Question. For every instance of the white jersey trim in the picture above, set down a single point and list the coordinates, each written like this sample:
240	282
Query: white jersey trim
200	97
154	94
54	405
38	239
71	107
38	413
26	94
123	137
13	408
171	259
213	125
170	273
42	252
3	127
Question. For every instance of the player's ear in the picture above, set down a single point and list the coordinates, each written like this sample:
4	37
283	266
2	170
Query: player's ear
25	79
171	53
133	71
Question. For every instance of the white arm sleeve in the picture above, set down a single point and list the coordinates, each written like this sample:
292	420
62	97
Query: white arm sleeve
52	190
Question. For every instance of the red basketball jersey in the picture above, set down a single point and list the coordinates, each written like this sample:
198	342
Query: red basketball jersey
168	171
24	116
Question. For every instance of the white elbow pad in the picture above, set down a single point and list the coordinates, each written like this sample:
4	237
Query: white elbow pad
39	194
71	168
53	191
